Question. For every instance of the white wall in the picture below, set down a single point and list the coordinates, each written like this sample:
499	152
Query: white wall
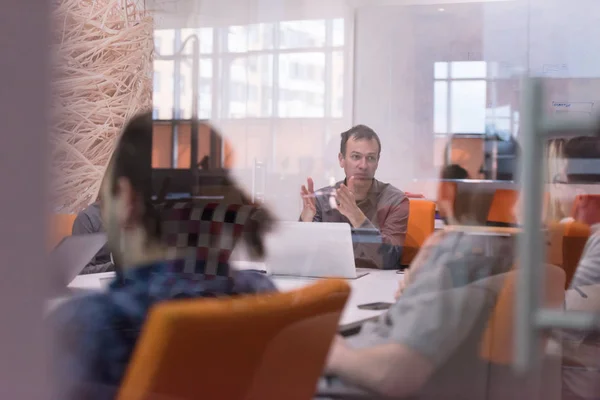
384	87
396	47
187	13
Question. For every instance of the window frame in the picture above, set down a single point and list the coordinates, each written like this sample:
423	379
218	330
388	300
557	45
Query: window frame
491	83
221	58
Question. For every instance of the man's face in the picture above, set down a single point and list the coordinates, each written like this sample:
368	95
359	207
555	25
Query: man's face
361	159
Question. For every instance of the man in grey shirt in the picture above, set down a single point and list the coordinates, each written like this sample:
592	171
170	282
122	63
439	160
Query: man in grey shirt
427	344
362	201
90	221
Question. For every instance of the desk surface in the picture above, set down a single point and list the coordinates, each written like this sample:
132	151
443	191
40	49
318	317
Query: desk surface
376	286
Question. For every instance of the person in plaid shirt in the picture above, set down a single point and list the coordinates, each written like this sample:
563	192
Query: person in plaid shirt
95	334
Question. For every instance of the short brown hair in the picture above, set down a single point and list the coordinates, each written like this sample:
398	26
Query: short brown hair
359	132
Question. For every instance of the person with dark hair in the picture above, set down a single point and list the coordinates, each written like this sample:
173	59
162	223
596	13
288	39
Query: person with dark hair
96	333
454	172
362	201
447	192
89	220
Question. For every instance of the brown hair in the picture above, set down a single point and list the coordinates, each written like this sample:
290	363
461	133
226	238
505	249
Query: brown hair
359	132
132	159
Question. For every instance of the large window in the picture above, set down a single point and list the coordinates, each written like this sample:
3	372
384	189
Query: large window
290	69
466	101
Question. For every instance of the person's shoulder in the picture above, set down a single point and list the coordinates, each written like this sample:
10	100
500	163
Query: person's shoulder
91	209
595	232
248	281
82	217
390	191
592	246
83	313
88	217
436	238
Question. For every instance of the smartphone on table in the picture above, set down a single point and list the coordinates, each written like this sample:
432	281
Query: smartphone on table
378	306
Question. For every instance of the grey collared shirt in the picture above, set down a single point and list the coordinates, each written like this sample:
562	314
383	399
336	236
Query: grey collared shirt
386	209
443	313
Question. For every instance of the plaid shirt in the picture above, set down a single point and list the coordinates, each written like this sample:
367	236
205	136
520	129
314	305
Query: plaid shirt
96	333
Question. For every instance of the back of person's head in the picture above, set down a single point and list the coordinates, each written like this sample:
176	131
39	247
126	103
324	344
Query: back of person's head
127	185
582	156
454	171
359	132
462	204
218	200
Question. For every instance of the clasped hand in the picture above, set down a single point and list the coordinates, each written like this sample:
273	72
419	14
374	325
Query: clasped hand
343	200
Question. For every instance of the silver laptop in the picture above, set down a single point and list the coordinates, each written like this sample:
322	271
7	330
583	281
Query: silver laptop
319	250
71	256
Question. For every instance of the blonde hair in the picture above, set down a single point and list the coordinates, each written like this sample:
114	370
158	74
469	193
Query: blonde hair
555	167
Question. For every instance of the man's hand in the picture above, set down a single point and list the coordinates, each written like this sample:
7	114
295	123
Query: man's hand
309	208
346	204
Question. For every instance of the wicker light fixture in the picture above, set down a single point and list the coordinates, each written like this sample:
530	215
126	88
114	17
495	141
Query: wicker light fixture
103	76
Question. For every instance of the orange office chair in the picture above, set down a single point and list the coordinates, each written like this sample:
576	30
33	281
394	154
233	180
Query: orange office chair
421	224
248	347
61	226
497	346
501	211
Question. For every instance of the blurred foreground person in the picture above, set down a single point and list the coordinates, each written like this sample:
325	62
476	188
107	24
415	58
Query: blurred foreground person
96	333
427	344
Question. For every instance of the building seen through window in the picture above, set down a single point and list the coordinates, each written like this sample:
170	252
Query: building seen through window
290	69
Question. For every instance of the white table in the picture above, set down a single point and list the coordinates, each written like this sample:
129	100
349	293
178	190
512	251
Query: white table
376	286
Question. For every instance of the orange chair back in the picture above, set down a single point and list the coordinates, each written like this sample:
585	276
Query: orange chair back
421	224
248	347
502	209
61	226
498	340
